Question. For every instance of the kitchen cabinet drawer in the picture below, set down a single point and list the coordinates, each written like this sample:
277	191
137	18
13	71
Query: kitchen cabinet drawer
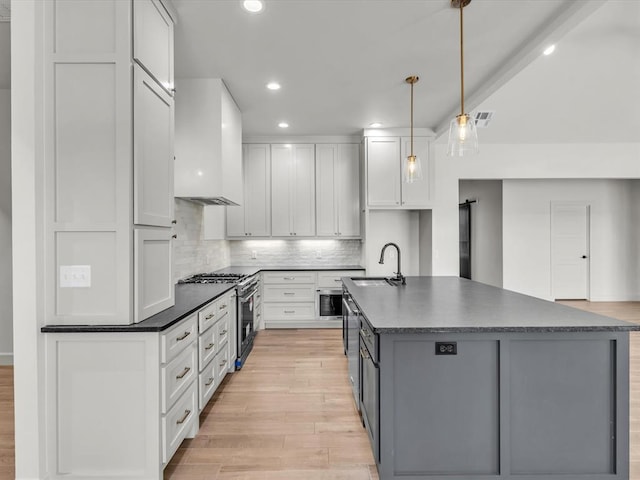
221	362
369	338
177	338
223	330
207	346
285	311
177	375
332	279
289	277
289	293
207	316
207	383
177	424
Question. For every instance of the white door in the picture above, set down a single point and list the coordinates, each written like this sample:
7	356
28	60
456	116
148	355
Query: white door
257	192
569	251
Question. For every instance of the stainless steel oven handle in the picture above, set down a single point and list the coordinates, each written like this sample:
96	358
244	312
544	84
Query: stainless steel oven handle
244	298
347	306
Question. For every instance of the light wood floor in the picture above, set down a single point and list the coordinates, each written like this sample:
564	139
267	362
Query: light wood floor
289	413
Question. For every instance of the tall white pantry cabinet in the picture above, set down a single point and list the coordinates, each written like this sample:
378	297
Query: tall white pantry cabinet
107	82
108	161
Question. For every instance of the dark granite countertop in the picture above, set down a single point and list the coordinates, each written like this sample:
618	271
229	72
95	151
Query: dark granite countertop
457	305
290	268
190	297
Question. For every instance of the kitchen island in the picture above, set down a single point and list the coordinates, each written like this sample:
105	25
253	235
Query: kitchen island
462	380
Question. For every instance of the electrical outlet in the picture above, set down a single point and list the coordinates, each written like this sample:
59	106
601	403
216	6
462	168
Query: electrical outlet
254	254
446	348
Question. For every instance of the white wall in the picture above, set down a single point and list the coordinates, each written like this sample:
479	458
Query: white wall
486	229
635	225
397	226
522	161
6	303
527	235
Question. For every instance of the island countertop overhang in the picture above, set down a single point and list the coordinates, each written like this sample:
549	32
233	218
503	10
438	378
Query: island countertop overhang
458	305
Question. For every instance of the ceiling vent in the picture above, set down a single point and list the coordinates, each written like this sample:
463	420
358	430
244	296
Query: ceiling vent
5	10
483	119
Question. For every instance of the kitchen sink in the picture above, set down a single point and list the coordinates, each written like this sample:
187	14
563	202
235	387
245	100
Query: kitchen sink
372	282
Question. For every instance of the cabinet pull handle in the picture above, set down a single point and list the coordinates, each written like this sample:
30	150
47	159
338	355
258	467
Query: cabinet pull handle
288	278
186	334
289	311
174	236
184	372
184	417
224	332
209	347
222	307
209	382
289	293
337	280
174	222
223	363
209	317
364	354
258	315
365	333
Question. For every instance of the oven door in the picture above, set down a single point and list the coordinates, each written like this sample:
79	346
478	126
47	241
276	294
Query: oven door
329	305
246	318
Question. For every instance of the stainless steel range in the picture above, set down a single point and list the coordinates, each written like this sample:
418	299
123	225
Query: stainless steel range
246	289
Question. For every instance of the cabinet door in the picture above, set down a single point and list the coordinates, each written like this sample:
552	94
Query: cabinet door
369	397
417	193
153	152
383	171
326	205
303	206
153	40
347	181
153	280
253	218
281	168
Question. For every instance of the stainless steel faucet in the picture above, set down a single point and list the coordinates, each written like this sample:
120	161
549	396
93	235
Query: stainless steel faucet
399	277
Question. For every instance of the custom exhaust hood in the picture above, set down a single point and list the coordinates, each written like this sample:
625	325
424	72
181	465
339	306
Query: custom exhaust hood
208	143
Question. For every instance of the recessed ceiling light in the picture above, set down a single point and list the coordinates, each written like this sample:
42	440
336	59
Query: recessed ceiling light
253	6
375	125
283	125
549	50
273	86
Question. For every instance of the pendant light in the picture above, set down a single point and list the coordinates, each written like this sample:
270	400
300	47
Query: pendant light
463	136
411	168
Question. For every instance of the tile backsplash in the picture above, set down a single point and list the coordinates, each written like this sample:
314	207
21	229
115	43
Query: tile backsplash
296	252
191	252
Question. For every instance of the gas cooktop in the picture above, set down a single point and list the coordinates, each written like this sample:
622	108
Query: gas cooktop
213	278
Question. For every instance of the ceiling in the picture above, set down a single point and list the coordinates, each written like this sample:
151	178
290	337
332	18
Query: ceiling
342	64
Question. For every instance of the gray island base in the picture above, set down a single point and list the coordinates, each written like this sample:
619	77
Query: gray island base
460	380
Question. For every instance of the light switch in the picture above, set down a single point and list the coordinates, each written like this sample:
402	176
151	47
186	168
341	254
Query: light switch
78	276
254	254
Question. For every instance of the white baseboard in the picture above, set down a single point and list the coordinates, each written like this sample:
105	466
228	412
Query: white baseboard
6	358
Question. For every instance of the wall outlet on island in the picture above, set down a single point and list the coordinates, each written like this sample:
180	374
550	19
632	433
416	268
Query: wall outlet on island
254	254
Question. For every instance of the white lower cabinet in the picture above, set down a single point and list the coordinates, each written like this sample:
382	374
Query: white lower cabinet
215	343
289	299
148	387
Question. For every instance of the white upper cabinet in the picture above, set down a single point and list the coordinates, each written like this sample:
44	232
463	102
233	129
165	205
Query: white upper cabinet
293	190
337	190
384	173
153	41
253	217
152	152
208	144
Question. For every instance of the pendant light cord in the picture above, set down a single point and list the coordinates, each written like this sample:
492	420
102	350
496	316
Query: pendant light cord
461	61
412	117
